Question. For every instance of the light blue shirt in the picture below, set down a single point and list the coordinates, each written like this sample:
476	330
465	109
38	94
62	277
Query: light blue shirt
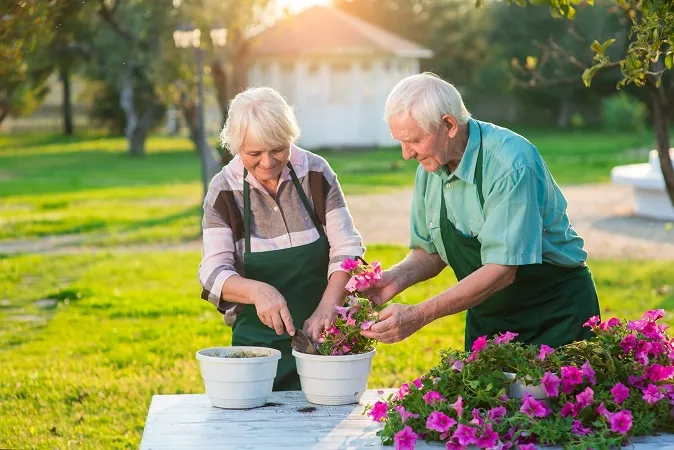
524	219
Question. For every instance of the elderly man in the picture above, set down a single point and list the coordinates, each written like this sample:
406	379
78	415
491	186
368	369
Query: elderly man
486	205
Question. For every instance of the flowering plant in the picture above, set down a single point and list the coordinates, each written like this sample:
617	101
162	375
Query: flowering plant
356	314
592	394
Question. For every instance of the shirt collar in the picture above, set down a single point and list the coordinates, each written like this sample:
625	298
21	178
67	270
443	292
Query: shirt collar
466	169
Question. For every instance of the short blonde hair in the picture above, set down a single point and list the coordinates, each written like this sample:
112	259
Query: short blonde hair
260	115
425	97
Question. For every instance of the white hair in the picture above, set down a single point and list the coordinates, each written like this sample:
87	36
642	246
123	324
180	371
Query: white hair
425	97
260	115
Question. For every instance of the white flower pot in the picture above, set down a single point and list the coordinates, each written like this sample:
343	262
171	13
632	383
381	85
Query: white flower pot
333	380
519	388
238	383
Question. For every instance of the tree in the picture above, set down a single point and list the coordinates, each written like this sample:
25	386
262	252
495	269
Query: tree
649	53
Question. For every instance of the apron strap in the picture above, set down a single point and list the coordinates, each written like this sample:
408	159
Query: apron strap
300	191
478	170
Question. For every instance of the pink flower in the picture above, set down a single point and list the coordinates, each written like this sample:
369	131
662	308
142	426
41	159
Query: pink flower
465	435
342	310
479	343
585	398
588	373
350	321
528	447
333	330
458	366
507	337
451	445
628	343
366	325
657	372
405	439
496	413
569	409
621	422
601	409
404	414
614	322
571	376
620	392
378	411
550	384
545	351
477	420
438	421
458	406
487	438
348	265
404	390
417	383
533	408
653	315
592	321
433	397
652	394
346	348
579	429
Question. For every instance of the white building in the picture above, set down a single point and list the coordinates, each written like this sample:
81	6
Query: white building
337	71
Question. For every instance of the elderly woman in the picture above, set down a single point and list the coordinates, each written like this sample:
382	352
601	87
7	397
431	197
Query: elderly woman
275	229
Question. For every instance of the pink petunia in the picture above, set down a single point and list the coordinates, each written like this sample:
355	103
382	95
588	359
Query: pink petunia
458	406
550	384
621	422
585	398
366	325
653	315
349	264
657	372
479	343
571	376
417	383
405	439
342	310
432	397
592	321
350	321
620	392
487	438
569	409
404	390
545	351
378	411
477	420
452	445
439	421
532	407
495	414
579	429
601	409
506	337
588	373
652	394
464	435
404	414
458	366
613	322
528	447
628	343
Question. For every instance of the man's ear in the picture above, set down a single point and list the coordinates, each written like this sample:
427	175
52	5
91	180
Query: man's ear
451	125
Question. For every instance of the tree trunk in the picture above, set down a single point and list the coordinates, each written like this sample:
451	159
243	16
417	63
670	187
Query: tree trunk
136	143
4	113
67	103
564	113
219	75
660	126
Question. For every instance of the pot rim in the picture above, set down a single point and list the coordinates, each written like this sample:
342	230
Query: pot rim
272	355
336	358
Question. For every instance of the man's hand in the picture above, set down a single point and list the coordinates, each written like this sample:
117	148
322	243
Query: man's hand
272	309
396	322
323	317
383	289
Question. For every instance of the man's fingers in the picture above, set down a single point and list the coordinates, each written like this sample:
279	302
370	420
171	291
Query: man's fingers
278	324
287	321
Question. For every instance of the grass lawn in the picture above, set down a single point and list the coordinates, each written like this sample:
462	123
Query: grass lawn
80	369
52	185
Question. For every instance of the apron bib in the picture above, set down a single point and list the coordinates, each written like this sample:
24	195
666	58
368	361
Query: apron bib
298	273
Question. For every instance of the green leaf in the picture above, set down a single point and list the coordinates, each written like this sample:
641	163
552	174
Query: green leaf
668	60
597	48
587	76
606	44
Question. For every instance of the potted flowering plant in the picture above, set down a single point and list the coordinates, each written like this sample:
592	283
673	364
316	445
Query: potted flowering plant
596	394
338	374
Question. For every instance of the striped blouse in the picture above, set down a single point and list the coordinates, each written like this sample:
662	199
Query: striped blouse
275	223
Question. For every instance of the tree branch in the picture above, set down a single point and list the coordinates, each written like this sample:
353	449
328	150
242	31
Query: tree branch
108	16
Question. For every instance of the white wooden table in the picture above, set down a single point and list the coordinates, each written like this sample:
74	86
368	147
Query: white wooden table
288	422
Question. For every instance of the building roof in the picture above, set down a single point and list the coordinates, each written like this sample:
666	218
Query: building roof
327	30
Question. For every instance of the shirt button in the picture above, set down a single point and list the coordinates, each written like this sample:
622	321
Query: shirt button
275	208
430	224
285	237
448	185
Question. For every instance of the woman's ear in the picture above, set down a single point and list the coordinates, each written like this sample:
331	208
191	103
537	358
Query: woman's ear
451	125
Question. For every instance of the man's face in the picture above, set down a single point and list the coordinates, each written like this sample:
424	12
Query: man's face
264	163
426	148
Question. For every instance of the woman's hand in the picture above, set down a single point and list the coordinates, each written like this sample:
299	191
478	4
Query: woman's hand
383	289
272	309
323	317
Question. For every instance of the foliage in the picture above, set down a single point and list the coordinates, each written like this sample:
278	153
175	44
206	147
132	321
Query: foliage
621	112
356	314
594	394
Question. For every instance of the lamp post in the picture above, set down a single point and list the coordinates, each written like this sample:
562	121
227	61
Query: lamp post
186	37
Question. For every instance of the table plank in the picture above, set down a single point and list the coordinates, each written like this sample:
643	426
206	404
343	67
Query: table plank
288	421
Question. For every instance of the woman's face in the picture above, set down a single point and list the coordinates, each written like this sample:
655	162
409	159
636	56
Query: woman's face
265	164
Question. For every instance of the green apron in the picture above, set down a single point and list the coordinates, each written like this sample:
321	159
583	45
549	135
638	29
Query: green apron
546	304
298	273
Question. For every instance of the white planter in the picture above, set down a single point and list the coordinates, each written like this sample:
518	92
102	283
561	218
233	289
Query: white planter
519	388
238	383
333	380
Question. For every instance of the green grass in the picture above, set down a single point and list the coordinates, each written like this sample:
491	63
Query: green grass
52	185
81	371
